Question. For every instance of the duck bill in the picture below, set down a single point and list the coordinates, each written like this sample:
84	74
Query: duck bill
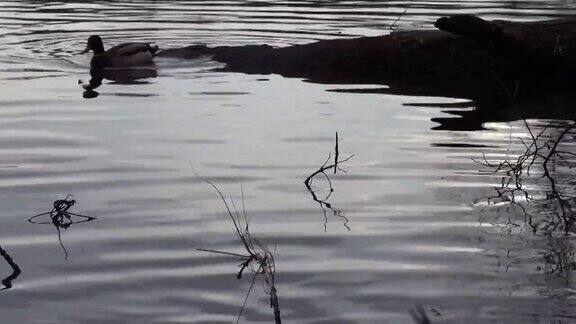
86	50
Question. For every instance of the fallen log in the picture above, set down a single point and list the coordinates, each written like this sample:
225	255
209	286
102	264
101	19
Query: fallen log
416	60
463	46
382	58
542	42
494	63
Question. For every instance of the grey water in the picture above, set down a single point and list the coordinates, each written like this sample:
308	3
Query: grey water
415	219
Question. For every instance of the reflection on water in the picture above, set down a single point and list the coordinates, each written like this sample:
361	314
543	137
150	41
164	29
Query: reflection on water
323	202
136	75
419	315
61	218
415	194
560	262
7	282
536	193
537	180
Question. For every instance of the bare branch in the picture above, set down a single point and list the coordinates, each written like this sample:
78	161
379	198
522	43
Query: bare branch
323	203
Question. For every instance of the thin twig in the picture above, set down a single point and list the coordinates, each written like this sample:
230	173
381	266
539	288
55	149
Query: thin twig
391	27
542	151
247	294
225	253
336	155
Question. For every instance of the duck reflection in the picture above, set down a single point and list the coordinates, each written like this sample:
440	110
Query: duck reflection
61	218
7	282
117	76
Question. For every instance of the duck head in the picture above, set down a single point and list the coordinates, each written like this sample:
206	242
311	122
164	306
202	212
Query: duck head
94	44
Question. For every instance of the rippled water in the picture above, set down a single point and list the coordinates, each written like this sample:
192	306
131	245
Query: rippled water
410	223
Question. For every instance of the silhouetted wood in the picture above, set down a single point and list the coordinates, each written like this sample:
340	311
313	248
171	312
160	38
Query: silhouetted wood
464	46
542	43
526	68
378	59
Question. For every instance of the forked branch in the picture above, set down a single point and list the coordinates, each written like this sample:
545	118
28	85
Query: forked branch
323	202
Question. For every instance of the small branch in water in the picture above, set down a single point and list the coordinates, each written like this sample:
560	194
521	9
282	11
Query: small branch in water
61	218
391	27
325	167
418	315
7	282
324	204
555	201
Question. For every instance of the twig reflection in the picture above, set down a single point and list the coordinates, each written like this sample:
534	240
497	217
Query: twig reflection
323	202
547	207
259	259
7	282
559	259
538	182
61	218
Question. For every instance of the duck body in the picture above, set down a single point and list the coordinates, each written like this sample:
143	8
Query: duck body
120	56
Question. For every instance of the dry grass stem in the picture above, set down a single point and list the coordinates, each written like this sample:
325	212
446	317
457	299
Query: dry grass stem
258	258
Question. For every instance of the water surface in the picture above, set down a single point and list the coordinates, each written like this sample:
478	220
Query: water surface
416	222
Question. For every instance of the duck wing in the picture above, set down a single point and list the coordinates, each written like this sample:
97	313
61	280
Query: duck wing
128	49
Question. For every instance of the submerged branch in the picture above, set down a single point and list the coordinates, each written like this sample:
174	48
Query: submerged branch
544	151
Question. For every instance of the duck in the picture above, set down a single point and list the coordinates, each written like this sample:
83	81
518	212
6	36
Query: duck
120	56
